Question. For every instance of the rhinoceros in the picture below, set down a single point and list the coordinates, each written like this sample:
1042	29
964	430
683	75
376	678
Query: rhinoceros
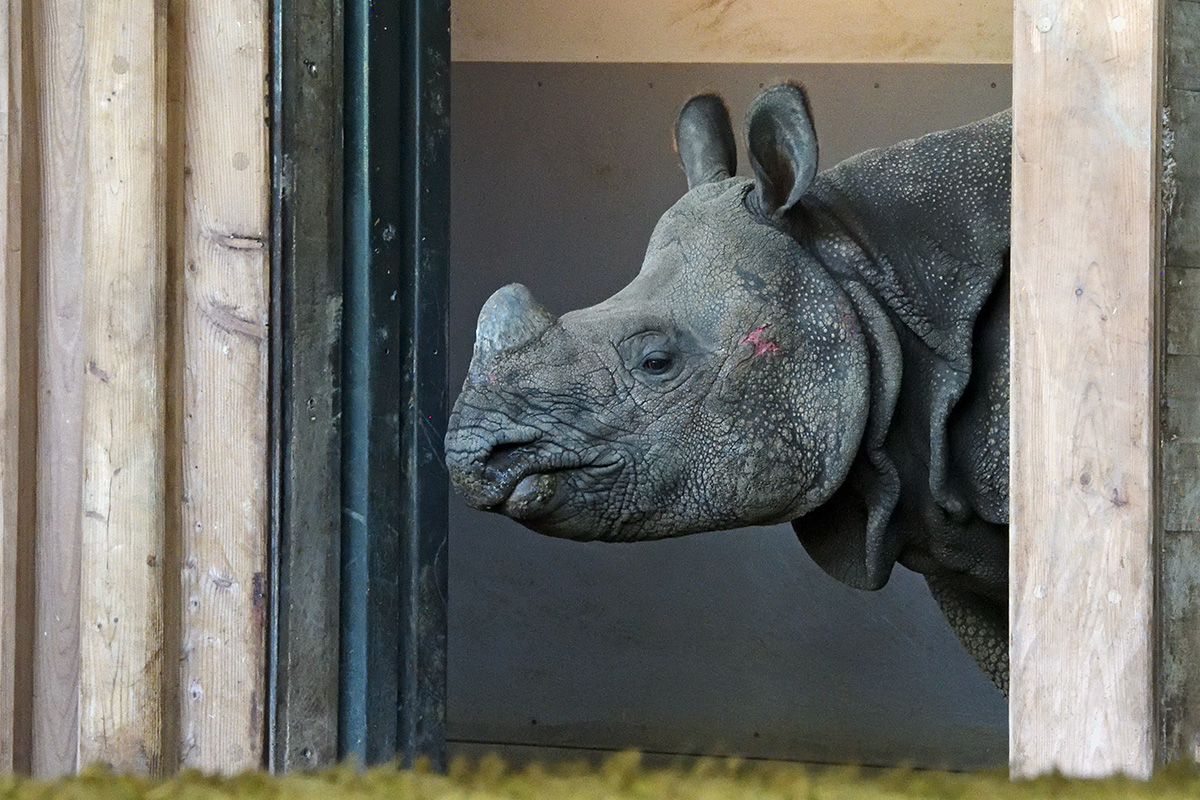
829	349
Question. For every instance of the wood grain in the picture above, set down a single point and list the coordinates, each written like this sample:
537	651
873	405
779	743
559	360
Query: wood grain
226	230
54	245
705	31
122	620
10	363
1085	264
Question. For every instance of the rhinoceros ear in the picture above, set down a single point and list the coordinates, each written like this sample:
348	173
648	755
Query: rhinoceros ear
704	140
783	147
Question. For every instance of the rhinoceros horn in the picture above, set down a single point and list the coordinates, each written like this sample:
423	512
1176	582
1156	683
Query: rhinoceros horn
510	319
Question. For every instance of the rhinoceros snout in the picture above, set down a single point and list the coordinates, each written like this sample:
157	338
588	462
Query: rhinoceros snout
499	473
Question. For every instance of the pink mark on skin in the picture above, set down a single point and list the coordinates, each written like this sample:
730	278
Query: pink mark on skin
755	337
849	322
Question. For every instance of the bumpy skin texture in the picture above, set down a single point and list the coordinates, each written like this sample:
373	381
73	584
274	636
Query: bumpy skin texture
828	349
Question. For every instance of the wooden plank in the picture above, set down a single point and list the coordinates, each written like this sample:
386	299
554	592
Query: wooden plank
122	630
10	360
308	326
224	363
765	31
55	247
1084	316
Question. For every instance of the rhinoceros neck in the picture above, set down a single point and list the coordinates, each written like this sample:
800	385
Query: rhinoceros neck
932	301
903	461
917	235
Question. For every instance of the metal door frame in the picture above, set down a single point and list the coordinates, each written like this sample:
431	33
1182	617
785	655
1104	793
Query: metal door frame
361	248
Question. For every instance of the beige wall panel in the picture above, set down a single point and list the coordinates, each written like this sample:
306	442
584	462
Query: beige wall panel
729	31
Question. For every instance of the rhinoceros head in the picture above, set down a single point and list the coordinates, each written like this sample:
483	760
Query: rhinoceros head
727	385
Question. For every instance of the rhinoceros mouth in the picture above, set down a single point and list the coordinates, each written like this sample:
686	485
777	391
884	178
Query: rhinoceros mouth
514	481
522	484
531	497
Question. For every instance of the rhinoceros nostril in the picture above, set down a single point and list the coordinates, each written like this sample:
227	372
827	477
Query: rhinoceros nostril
502	458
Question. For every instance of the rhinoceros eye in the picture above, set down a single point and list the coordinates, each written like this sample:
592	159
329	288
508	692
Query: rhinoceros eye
657	363
653	356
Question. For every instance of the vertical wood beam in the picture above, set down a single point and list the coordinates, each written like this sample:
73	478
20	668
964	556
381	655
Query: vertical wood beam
10	360
122	701
1085	267
224	367
54	246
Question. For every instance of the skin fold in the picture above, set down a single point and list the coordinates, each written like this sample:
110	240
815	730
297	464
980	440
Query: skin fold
828	349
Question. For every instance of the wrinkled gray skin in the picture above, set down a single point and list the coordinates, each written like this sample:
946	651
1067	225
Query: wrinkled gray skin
828	349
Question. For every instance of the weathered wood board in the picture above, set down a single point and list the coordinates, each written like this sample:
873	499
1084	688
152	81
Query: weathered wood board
55	248
10	363
126	655
134	226
1085	274
223	371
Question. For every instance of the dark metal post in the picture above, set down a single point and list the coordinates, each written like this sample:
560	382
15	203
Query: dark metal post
1179	582
306	351
394	484
426	242
370	465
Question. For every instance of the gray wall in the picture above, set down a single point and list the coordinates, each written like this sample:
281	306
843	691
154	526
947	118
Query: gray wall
729	642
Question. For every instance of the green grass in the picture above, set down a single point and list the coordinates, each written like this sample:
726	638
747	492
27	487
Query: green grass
622	776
